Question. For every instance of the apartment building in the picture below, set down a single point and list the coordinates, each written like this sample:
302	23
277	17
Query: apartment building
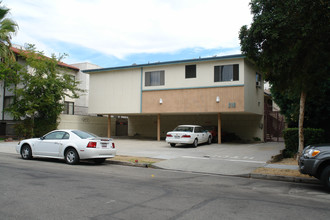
7	96
221	91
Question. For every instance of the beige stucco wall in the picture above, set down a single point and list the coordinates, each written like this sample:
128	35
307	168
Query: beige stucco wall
254	96
81	104
115	92
175	75
93	124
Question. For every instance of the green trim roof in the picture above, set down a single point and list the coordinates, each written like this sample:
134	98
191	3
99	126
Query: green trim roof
166	63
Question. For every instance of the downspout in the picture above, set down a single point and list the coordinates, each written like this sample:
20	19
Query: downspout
141	89
3	99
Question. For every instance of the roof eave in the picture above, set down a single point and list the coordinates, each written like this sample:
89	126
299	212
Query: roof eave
236	56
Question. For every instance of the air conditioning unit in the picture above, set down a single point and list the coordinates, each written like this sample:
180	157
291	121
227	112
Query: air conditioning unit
258	84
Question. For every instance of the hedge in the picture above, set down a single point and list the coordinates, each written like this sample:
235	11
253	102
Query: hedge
291	139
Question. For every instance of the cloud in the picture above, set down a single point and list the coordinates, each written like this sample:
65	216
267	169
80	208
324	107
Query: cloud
121	28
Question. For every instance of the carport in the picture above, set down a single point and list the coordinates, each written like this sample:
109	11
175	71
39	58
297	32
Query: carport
155	126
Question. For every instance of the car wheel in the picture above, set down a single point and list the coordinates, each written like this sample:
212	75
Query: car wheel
99	160
71	156
325	177
195	143
209	141
172	145
26	152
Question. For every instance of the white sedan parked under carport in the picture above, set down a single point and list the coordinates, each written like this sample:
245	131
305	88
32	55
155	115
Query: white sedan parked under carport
188	134
70	145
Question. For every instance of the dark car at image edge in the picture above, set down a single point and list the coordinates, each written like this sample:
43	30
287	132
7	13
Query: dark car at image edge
315	161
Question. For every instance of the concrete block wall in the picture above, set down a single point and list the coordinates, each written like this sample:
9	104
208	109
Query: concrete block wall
93	124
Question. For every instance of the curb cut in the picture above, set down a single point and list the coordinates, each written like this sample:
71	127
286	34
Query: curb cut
124	163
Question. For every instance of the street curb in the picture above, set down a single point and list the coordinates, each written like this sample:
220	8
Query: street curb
252	175
125	163
285	178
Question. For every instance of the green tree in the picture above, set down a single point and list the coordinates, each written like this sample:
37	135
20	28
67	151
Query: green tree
317	109
40	88
7	29
289	42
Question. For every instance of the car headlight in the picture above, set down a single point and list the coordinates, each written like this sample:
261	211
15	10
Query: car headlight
311	153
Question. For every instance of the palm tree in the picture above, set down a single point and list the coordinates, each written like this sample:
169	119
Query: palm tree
7	28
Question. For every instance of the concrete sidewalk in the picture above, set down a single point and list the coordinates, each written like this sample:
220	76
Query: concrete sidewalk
225	159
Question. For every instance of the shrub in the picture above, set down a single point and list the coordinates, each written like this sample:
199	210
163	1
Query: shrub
23	129
43	126
291	139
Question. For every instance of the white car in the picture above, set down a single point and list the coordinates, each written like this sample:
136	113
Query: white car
70	145
188	134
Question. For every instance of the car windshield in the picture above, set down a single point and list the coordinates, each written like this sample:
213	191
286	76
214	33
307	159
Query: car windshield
182	128
83	134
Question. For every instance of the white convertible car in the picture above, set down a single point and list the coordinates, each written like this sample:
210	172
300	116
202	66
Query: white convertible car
188	134
70	145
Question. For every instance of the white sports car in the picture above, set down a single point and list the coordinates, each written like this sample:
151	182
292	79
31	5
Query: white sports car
70	145
188	134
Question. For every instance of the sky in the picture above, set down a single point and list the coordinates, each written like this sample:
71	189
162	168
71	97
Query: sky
112	33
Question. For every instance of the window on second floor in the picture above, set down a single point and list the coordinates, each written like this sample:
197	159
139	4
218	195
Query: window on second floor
190	71
226	73
68	108
8	100
258	79
155	78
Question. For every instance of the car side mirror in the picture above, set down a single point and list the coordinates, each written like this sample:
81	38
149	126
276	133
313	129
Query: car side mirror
42	138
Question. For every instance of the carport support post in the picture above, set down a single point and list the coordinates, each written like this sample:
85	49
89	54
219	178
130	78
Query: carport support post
158	127
219	129
109	126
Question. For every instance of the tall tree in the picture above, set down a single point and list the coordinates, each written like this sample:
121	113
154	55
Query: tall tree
41	86
289	42
7	29
317	109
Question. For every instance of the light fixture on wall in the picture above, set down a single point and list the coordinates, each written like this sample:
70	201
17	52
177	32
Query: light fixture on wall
160	101
217	99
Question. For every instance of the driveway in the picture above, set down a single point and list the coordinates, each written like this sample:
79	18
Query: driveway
225	159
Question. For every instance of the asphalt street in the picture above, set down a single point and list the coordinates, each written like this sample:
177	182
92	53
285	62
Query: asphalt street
51	189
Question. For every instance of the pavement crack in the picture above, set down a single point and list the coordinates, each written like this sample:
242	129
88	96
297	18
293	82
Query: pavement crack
194	207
